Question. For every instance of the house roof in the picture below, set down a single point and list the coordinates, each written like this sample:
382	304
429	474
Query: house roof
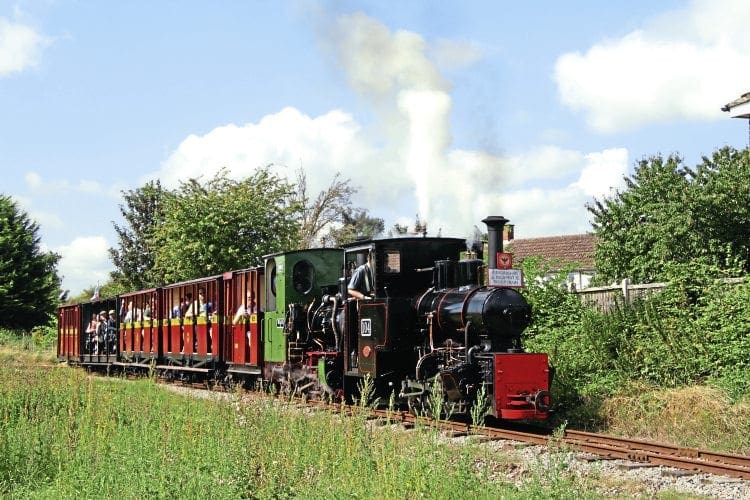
568	249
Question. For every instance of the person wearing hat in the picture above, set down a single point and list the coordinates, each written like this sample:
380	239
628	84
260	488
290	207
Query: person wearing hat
101	330
91	333
111	337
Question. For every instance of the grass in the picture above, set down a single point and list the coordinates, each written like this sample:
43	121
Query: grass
65	434
698	417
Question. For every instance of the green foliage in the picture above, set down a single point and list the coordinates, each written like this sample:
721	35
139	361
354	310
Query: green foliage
481	406
224	224
721	205
696	330
689	227
669	213
645	225
143	212
29	286
553	307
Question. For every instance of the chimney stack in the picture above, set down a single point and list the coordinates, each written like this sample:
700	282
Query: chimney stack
495	224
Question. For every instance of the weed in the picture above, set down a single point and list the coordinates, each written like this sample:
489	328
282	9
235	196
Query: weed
480	407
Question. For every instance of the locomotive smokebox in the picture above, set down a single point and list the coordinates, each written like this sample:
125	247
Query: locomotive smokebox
495	224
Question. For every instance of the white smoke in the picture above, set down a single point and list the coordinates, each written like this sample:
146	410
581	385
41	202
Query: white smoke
393	68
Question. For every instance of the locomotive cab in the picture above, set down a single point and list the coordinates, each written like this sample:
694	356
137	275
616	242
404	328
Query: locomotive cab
382	332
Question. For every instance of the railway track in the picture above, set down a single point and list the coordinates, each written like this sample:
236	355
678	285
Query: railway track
603	446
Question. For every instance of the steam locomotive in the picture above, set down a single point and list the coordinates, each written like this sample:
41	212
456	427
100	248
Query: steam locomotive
290	324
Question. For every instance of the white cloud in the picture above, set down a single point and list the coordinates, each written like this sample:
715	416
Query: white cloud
61	187
20	47
84	263
33	180
323	145
684	64
603	172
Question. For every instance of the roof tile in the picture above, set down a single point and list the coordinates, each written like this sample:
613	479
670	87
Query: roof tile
568	249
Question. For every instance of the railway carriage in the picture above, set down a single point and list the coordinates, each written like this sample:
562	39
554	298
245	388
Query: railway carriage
242	321
98	345
191	333
140	326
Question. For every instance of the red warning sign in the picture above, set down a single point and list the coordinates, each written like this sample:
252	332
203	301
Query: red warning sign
504	260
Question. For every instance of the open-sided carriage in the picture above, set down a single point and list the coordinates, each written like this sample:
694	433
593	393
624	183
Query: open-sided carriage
88	332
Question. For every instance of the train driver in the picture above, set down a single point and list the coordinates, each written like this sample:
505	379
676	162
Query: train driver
361	284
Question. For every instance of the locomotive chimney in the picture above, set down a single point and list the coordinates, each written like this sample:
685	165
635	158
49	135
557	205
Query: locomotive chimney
495	225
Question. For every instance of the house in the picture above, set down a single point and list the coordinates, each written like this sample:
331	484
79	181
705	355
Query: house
560	251
739	108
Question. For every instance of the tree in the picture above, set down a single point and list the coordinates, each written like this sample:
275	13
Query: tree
721	205
355	223
671	214
328	209
29	286
224	224
143	212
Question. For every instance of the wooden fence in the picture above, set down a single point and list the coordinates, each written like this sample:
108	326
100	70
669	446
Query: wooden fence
605	297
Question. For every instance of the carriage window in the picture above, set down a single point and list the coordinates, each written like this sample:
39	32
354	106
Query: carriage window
271	285
302	276
392	262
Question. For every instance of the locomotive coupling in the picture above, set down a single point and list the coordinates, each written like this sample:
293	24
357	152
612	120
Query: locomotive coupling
541	400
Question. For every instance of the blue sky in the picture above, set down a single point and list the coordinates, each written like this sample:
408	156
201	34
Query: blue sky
451	110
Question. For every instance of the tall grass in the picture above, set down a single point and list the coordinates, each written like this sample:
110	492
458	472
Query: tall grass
64	434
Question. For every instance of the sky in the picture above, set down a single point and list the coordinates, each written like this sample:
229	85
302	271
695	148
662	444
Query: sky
451	110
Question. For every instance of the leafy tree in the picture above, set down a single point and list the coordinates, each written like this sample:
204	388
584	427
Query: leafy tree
648	224
355	223
721	204
671	214
29	285
143	212
224	224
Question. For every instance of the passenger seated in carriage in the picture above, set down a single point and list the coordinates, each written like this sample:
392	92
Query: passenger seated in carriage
91	334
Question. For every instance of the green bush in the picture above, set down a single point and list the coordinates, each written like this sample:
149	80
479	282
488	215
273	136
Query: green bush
696	330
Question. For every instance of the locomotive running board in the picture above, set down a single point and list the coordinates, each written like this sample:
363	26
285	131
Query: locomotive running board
182	368
242	369
136	365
